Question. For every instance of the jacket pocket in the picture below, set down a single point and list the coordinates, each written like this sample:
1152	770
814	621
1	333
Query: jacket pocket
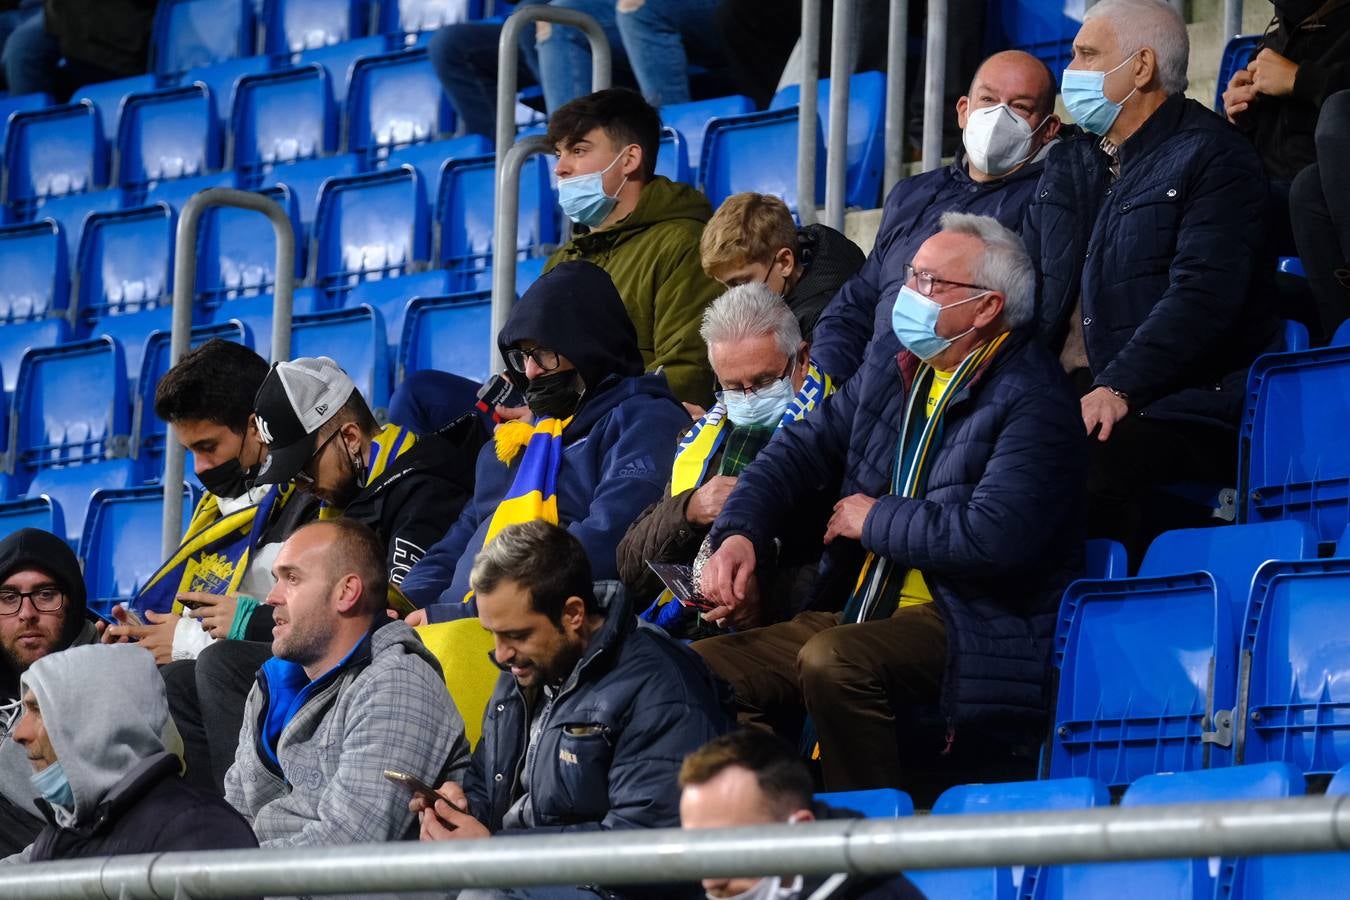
585	752
1148	222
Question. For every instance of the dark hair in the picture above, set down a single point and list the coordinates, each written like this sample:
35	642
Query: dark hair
214	383
356	549
782	776
623	115
355	409
544	559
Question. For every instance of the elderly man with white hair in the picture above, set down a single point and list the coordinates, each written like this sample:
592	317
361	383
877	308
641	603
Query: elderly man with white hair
1147	237
956	528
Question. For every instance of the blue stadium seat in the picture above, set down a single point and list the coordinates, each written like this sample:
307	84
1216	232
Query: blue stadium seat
672	157
1236	55
165	135
70	488
1294	877
1293	459
222	80
1296	668
1106	559
72	211
1004	883
108	96
191	33
340	60
19	103
527	270
391	297
255	313
354	337
465	211
448	333
866	109
1295	335
50	153
283	117
881	803
429	159
756	152
305	181
178	192
57	421
395	100
1342	336
411	18
1175	879
237	250
17	338
120	544
296	25
126	277
36	278
370	227
31	512
690	121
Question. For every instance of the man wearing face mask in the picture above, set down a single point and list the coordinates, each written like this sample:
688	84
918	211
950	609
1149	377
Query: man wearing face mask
1008	125
957	528
1147	235
596	453
763	365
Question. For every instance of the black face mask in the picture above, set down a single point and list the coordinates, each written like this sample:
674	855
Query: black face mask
554	395
229	479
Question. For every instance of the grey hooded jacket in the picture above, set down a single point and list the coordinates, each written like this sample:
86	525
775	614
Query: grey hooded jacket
384	707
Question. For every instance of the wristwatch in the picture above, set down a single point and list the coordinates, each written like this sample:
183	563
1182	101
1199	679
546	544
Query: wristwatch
1121	394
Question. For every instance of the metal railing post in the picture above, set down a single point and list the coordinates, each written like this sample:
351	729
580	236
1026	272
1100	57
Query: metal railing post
506	218
1232	21
836	151
934	84
807	105
184	287
897	58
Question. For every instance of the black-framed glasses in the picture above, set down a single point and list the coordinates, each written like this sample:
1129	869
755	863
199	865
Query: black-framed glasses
763	385
548	360
924	282
303	478
47	598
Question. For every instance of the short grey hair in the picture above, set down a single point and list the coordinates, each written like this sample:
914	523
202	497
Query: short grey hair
1153	24
750	311
1004	266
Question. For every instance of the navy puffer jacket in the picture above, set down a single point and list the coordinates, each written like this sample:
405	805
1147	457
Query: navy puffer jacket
998	534
1163	258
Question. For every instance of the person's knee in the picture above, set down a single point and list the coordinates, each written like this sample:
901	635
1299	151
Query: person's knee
639	15
1306	190
822	662
1333	122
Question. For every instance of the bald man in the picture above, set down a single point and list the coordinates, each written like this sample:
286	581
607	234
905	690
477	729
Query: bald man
1008	125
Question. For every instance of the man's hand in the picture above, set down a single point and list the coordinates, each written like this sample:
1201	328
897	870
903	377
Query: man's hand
1240	94
449	819
214	612
695	411
706	504
512	413
728	581
1102	409
416	617
1272	74
849	516
155	636
745	614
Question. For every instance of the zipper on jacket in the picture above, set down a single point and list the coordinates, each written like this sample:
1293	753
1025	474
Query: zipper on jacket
951	736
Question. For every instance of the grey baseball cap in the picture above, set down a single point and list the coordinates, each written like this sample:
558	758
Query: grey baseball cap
295	399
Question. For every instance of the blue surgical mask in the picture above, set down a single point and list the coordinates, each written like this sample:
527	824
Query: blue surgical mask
54	787
914	320
1085	97
583	198
764	408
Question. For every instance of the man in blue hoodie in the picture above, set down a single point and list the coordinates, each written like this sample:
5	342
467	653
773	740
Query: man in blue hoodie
602	441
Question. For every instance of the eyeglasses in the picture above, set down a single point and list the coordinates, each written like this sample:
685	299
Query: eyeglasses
303	478
926	281
45	599
548	360
764	384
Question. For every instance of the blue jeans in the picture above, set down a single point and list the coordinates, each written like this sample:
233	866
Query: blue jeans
429	400
565	54
661	37
30	57
465	59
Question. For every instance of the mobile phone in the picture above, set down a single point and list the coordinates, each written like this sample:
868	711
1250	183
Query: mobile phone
498	392
101	616
133	617
189	603
419	787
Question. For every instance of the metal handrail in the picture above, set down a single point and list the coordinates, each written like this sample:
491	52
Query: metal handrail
836	149
935	83
853	846
897	58
506	220
806	112
1232	22
184	287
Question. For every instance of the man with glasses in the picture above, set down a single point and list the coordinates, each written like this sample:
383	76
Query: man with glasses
597	448
42	611
956	530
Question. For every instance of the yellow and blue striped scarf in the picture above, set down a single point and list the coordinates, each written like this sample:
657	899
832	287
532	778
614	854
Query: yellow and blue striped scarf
387	446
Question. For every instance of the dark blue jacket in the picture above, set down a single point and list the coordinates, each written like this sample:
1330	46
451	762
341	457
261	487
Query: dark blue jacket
909	217
998	533
1163	260
612	743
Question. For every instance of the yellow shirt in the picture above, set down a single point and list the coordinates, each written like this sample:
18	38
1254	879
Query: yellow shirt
914	590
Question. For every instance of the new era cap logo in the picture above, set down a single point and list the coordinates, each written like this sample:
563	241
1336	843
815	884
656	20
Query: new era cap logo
264	431
321	408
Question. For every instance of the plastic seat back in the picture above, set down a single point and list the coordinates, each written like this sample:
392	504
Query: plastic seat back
222	80
1293	460
690	121
395	100
462	646
31	512
450	334
178	192
756	152
881	803
410	18
370	227
1135	698
126	262
36	273
295	25
166	135
1182	879
355	337
191	33
256	314
465	212
72	212
237	250
16	103
120	544
282	117
1239	51
17	338
430	159
70	488
391	297
866	108
672	157
1296	668
305	180
1106	559
340	61
108	97
53	152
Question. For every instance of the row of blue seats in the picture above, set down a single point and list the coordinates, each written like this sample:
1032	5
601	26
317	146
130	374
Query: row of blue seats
1293	877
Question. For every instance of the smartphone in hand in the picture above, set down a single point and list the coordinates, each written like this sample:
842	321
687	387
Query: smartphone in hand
418	787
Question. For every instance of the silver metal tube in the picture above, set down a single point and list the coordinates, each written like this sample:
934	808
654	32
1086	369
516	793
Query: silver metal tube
934	83
897	58
856	846
184	287
807	105
1232	20
506	219
508	52
836	152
